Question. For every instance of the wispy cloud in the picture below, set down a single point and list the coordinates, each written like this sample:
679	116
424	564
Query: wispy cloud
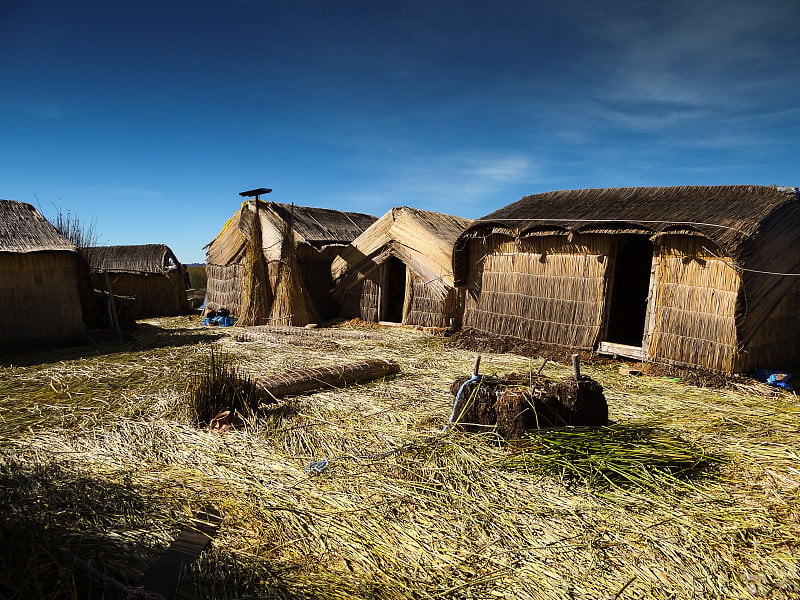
683	68
461	183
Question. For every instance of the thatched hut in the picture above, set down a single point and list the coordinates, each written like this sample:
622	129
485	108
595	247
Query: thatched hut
150	273
690	276
400	270
297	246
42	281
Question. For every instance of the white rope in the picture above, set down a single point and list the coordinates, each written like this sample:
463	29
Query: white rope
631	221
738	268
315	467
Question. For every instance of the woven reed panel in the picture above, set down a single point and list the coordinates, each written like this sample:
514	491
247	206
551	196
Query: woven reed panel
541	294
693	310
39	294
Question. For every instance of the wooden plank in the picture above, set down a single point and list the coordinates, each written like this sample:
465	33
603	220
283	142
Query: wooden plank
163	576
621	350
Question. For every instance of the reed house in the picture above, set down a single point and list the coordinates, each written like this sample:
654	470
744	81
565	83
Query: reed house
400	270
271	263
43	281
150	273
691	276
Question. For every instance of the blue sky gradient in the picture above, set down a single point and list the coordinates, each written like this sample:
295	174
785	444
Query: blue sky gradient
147	118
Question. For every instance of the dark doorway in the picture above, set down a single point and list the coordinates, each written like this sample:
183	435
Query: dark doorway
394	290
630	287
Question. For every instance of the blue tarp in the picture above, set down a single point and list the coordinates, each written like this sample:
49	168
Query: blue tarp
775	378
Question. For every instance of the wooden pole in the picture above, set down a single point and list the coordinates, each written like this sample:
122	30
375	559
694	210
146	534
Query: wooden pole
576	366
112	307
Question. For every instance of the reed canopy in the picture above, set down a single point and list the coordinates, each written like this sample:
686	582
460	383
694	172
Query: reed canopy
43	281
400	270
696	276
271	262
150	273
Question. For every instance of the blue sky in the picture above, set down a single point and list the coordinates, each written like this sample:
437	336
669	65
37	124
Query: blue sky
147	118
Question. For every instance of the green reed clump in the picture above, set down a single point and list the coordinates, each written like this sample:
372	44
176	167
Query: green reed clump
621	455
220	387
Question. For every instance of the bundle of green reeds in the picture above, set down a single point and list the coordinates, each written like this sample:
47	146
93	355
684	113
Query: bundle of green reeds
219	388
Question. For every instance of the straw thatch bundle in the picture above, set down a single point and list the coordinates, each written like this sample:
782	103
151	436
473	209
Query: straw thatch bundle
256	291
400	270
689	276
43	281
315	236
320	378
291	303
151	273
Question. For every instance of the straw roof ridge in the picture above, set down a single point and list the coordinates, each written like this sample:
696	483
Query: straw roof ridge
742	220
739	207
320	227
23	229
421	239
143	258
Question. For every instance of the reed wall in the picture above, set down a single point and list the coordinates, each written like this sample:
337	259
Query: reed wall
157	295
693	306
776	344
40	299
225	287
316	269
369	299
422	304
427	309
547	288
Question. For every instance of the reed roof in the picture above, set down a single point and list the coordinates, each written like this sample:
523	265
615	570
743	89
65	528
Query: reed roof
320	227
752	224
23	229
315	227
143	258
421	239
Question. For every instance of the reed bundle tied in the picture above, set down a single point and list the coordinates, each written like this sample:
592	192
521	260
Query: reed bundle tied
256	292
291	301
687	492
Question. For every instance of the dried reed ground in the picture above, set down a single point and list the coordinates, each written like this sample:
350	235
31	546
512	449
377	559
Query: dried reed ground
691	493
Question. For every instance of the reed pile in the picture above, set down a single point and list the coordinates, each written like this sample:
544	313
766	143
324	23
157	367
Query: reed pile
686	493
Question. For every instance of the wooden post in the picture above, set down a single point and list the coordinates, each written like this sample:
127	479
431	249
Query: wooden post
477	366
576	366
112	307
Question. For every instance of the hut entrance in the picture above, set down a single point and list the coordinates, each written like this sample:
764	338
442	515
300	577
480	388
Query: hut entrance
626	305
393	290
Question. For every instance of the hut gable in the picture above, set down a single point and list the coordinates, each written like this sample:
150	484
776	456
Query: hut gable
317	228
23	229
420	240
42	281
691	275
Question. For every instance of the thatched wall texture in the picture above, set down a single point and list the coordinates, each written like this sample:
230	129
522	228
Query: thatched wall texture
400	270
543	288
150	273
719	294
42	281
298	266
